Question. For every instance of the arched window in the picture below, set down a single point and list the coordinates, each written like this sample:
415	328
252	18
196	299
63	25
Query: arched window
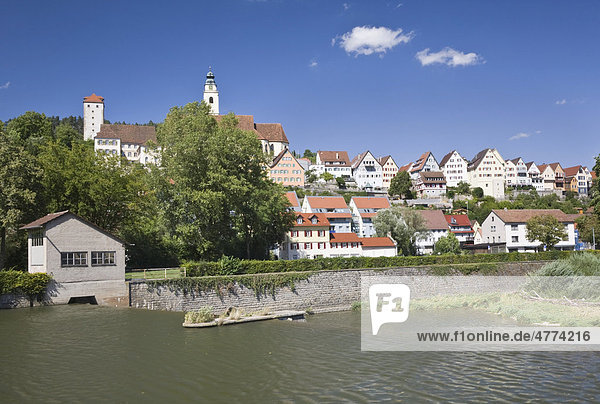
210	100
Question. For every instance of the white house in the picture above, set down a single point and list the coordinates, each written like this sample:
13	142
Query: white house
310	238
367	171
364	210
454	167
548	177
430	185
426	162
517	173
437	227
389	170
133	142
535	176
335	209
84	260
510	227
461	227
336	163
486	171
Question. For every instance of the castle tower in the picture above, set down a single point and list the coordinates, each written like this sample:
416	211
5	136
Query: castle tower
211	94
93	115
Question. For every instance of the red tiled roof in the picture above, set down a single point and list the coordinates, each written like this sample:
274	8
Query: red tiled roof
334	215
459	220
571	171
358	159
368	214
293	198
420	162
371	202
36	224
134	134
307	220
555	166
434	219
94	98
327	202
334	156
432	177
344	238
272	132
523	215
384	159
377	242
405	168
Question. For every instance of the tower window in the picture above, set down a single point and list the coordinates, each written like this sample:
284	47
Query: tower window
210	100
96	106
88	105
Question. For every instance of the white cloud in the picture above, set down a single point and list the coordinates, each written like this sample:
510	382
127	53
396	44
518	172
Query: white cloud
346	6
399	5
313	63
368	40
4	86
538	132
561	102
448	56
519	136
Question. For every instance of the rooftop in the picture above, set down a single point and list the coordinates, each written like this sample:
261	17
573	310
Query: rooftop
523	215
134	134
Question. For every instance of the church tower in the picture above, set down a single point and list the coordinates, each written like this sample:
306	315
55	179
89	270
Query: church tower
211	94
93	115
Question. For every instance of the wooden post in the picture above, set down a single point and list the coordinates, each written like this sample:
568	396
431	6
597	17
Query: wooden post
165	273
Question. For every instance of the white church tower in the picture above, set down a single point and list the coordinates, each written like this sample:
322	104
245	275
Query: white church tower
211	94
93	115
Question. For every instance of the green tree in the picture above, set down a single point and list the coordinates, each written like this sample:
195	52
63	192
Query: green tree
67	135
447	245
589	229
341	182
312	156
546	229
401	185
405	226
463	188
477	192
19	189
327	176
214	191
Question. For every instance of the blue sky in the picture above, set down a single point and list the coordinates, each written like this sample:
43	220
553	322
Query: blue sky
395	77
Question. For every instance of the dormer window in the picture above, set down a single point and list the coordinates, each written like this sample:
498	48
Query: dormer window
453	220
314	220
299	220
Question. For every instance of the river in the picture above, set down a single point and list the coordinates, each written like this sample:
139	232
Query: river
100	354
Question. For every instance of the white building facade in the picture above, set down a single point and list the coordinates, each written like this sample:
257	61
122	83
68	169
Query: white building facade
487	171
367	171
454	167
93	115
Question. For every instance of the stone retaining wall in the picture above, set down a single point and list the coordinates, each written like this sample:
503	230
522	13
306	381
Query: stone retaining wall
321	292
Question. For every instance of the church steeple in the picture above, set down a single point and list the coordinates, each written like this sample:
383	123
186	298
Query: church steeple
211	94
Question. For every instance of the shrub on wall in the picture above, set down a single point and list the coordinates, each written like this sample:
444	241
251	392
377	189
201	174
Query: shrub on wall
18	282
203	268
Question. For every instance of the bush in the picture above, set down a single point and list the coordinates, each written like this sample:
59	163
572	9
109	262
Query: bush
19	282
202	315
203	268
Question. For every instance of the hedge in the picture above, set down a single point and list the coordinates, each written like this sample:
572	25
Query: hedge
232	266
23	283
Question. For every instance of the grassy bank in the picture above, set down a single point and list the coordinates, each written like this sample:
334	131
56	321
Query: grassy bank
517	307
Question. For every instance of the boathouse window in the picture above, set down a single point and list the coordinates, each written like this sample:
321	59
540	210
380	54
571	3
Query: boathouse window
37	238
103	258
73	259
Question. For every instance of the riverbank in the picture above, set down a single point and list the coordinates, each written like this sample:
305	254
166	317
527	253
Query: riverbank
316	291
521	308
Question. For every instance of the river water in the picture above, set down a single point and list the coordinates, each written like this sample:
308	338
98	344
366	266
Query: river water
100	354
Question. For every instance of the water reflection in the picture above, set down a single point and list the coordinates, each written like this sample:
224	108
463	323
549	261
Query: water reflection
99	354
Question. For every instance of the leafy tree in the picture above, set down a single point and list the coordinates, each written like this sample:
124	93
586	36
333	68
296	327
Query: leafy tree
312	156
401	185
405	226
477	192
67	135
213	188
547	229
327	176
19	189
341	182
31	125
447	245
463	188
589	229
